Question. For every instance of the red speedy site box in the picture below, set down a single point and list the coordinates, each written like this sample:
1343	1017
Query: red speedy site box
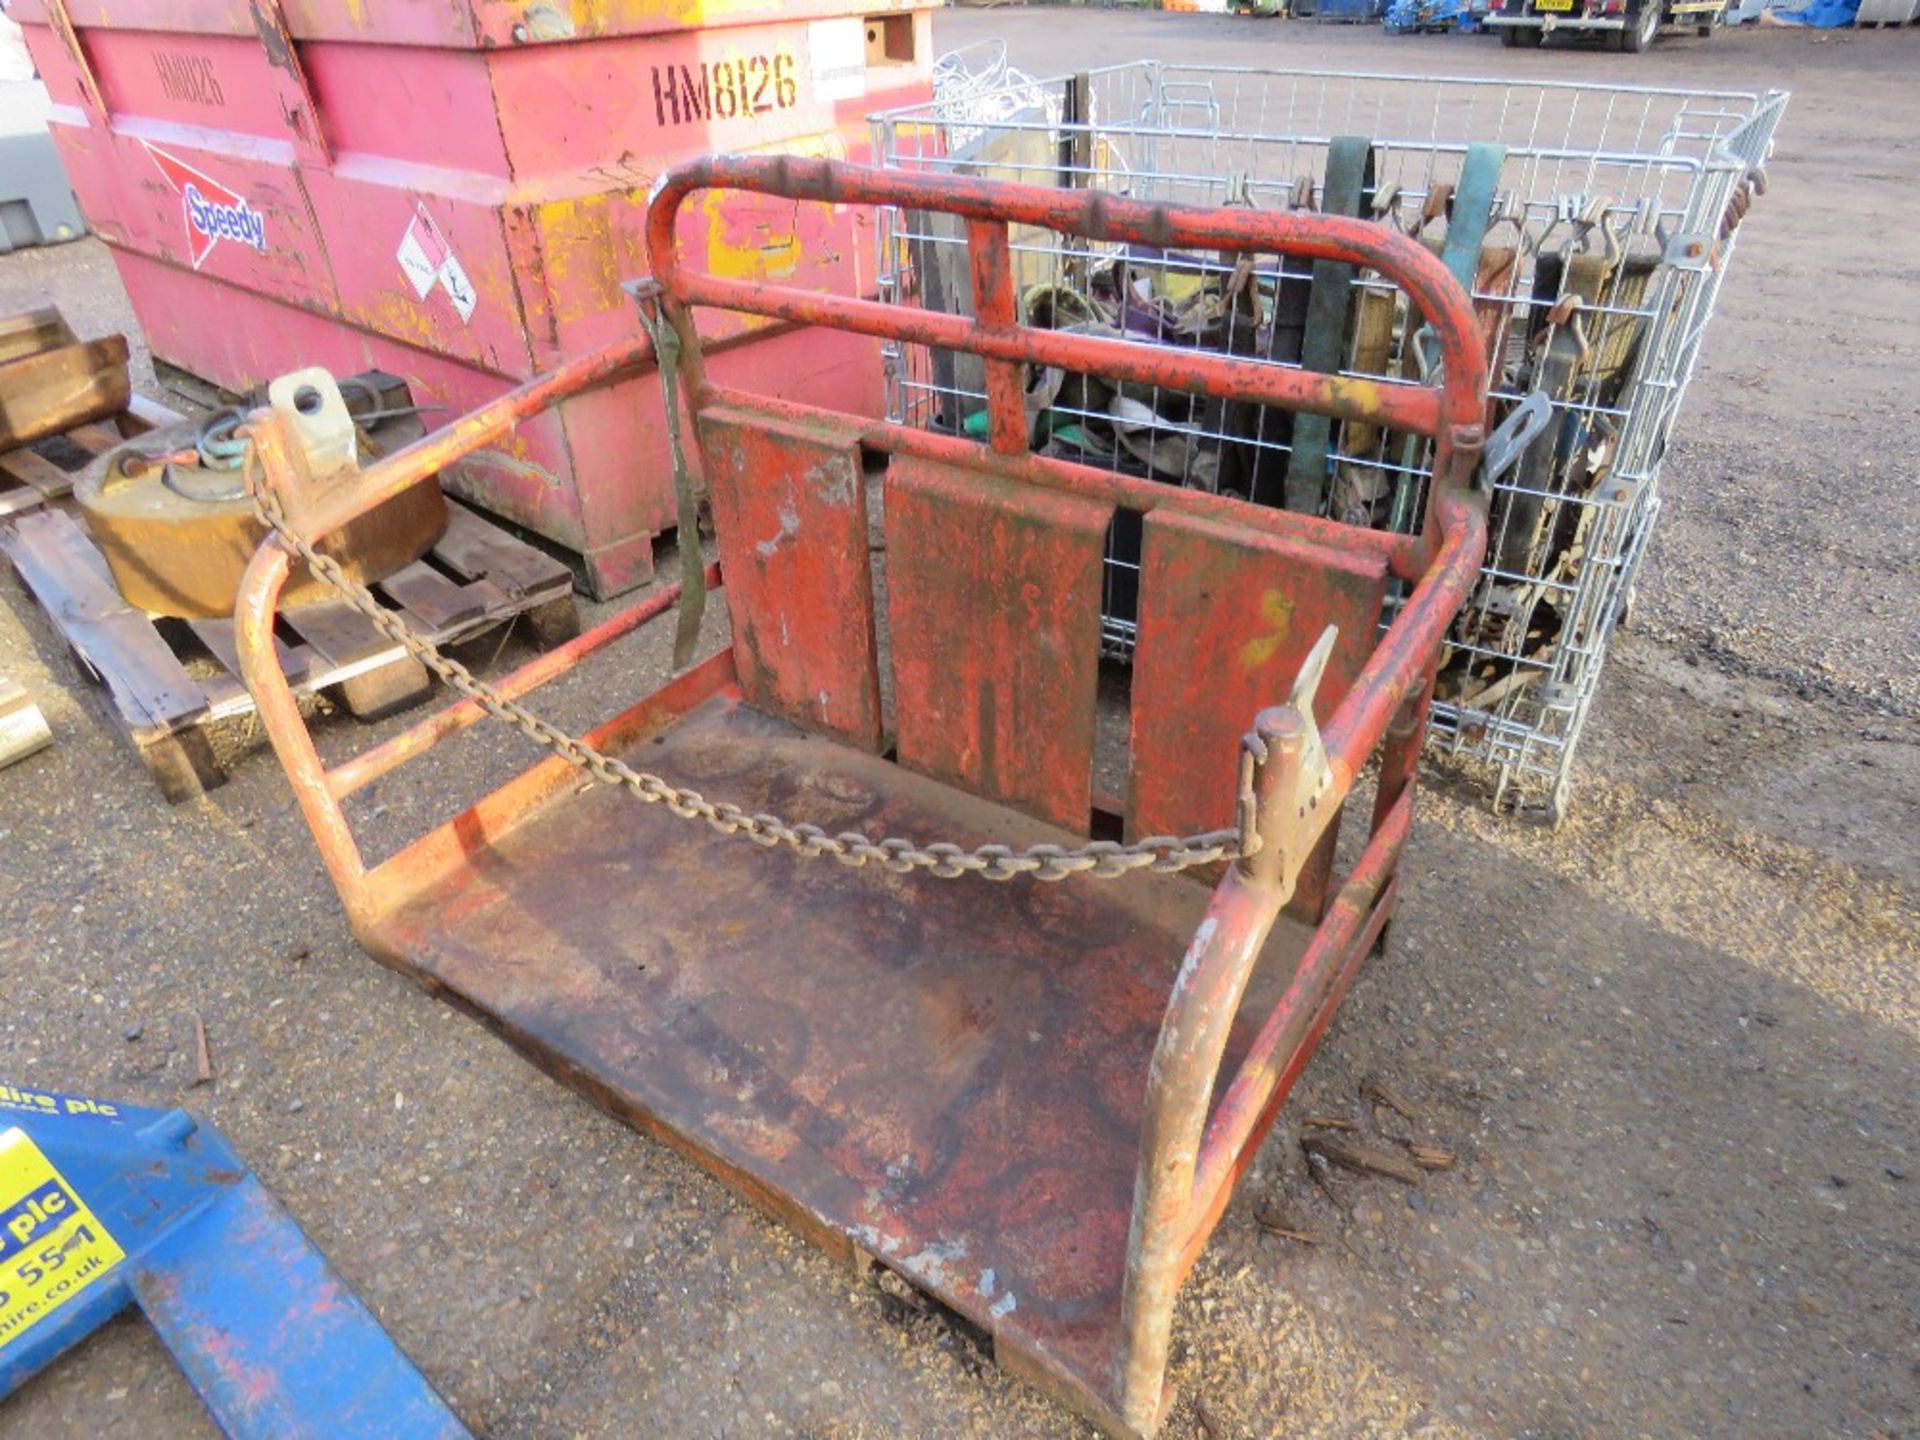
455	193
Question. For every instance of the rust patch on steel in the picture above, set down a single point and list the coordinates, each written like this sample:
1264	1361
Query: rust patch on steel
947	1076
274	38
1226	617
790	512
993	595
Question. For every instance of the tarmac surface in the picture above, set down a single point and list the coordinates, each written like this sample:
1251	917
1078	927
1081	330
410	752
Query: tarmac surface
1673	1043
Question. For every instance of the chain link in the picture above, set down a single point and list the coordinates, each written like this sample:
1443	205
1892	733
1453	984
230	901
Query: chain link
1097	859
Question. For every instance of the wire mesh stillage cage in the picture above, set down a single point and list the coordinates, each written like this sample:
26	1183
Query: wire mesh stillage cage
1593	226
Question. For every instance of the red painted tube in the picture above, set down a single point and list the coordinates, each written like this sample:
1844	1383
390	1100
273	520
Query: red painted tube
1401	746
1280	1051
1205	1216
996	307
1401	659
363	769
253	617
431	454
1395	407
1186	1057
1452	415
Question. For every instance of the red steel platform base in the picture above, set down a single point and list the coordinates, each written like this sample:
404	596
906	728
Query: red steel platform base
947	1075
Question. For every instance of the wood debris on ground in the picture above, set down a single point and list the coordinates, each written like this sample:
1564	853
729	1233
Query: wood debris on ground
1272	1223
1377	1092
202	1056
1350	1148
23	729
1364	1157
1284	1232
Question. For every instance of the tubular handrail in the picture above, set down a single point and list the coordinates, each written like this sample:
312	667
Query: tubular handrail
1183	1162
1183	1158
1449	412
428	456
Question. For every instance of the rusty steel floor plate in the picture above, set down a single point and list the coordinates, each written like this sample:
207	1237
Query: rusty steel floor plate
947	1075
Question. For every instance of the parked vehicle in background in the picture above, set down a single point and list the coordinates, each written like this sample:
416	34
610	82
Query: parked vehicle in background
1633	25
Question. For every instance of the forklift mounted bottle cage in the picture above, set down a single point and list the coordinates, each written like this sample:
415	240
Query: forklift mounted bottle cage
1030	1099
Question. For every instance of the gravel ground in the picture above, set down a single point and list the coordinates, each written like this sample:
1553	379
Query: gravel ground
1674	1042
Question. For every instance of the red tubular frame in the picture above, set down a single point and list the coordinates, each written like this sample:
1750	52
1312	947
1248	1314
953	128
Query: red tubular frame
1188	1160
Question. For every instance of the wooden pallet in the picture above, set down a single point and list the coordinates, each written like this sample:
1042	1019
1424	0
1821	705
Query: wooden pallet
45	470
476	577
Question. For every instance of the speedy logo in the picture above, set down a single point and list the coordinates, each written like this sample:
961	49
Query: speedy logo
212	212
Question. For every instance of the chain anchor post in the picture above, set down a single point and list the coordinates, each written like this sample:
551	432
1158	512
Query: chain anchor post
1285	779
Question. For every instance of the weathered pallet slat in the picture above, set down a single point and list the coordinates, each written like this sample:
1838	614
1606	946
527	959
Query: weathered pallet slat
96	437
340	635
377	677
217	636
474	550
425	592
166	710
47	479
28	478
33	331
52	391
55	561
12	502
145	414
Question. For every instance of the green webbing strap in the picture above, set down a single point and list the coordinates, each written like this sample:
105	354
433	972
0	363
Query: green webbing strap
693	562
1472	211
1349	178
1468	221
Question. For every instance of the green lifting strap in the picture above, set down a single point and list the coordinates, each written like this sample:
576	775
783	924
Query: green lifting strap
1472	213
1469	218
693	560
1349	181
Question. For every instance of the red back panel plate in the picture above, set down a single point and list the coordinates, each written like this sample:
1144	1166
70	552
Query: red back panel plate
1226	617
790	509
993	604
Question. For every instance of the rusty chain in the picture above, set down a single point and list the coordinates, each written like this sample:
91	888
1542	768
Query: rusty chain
1097	859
